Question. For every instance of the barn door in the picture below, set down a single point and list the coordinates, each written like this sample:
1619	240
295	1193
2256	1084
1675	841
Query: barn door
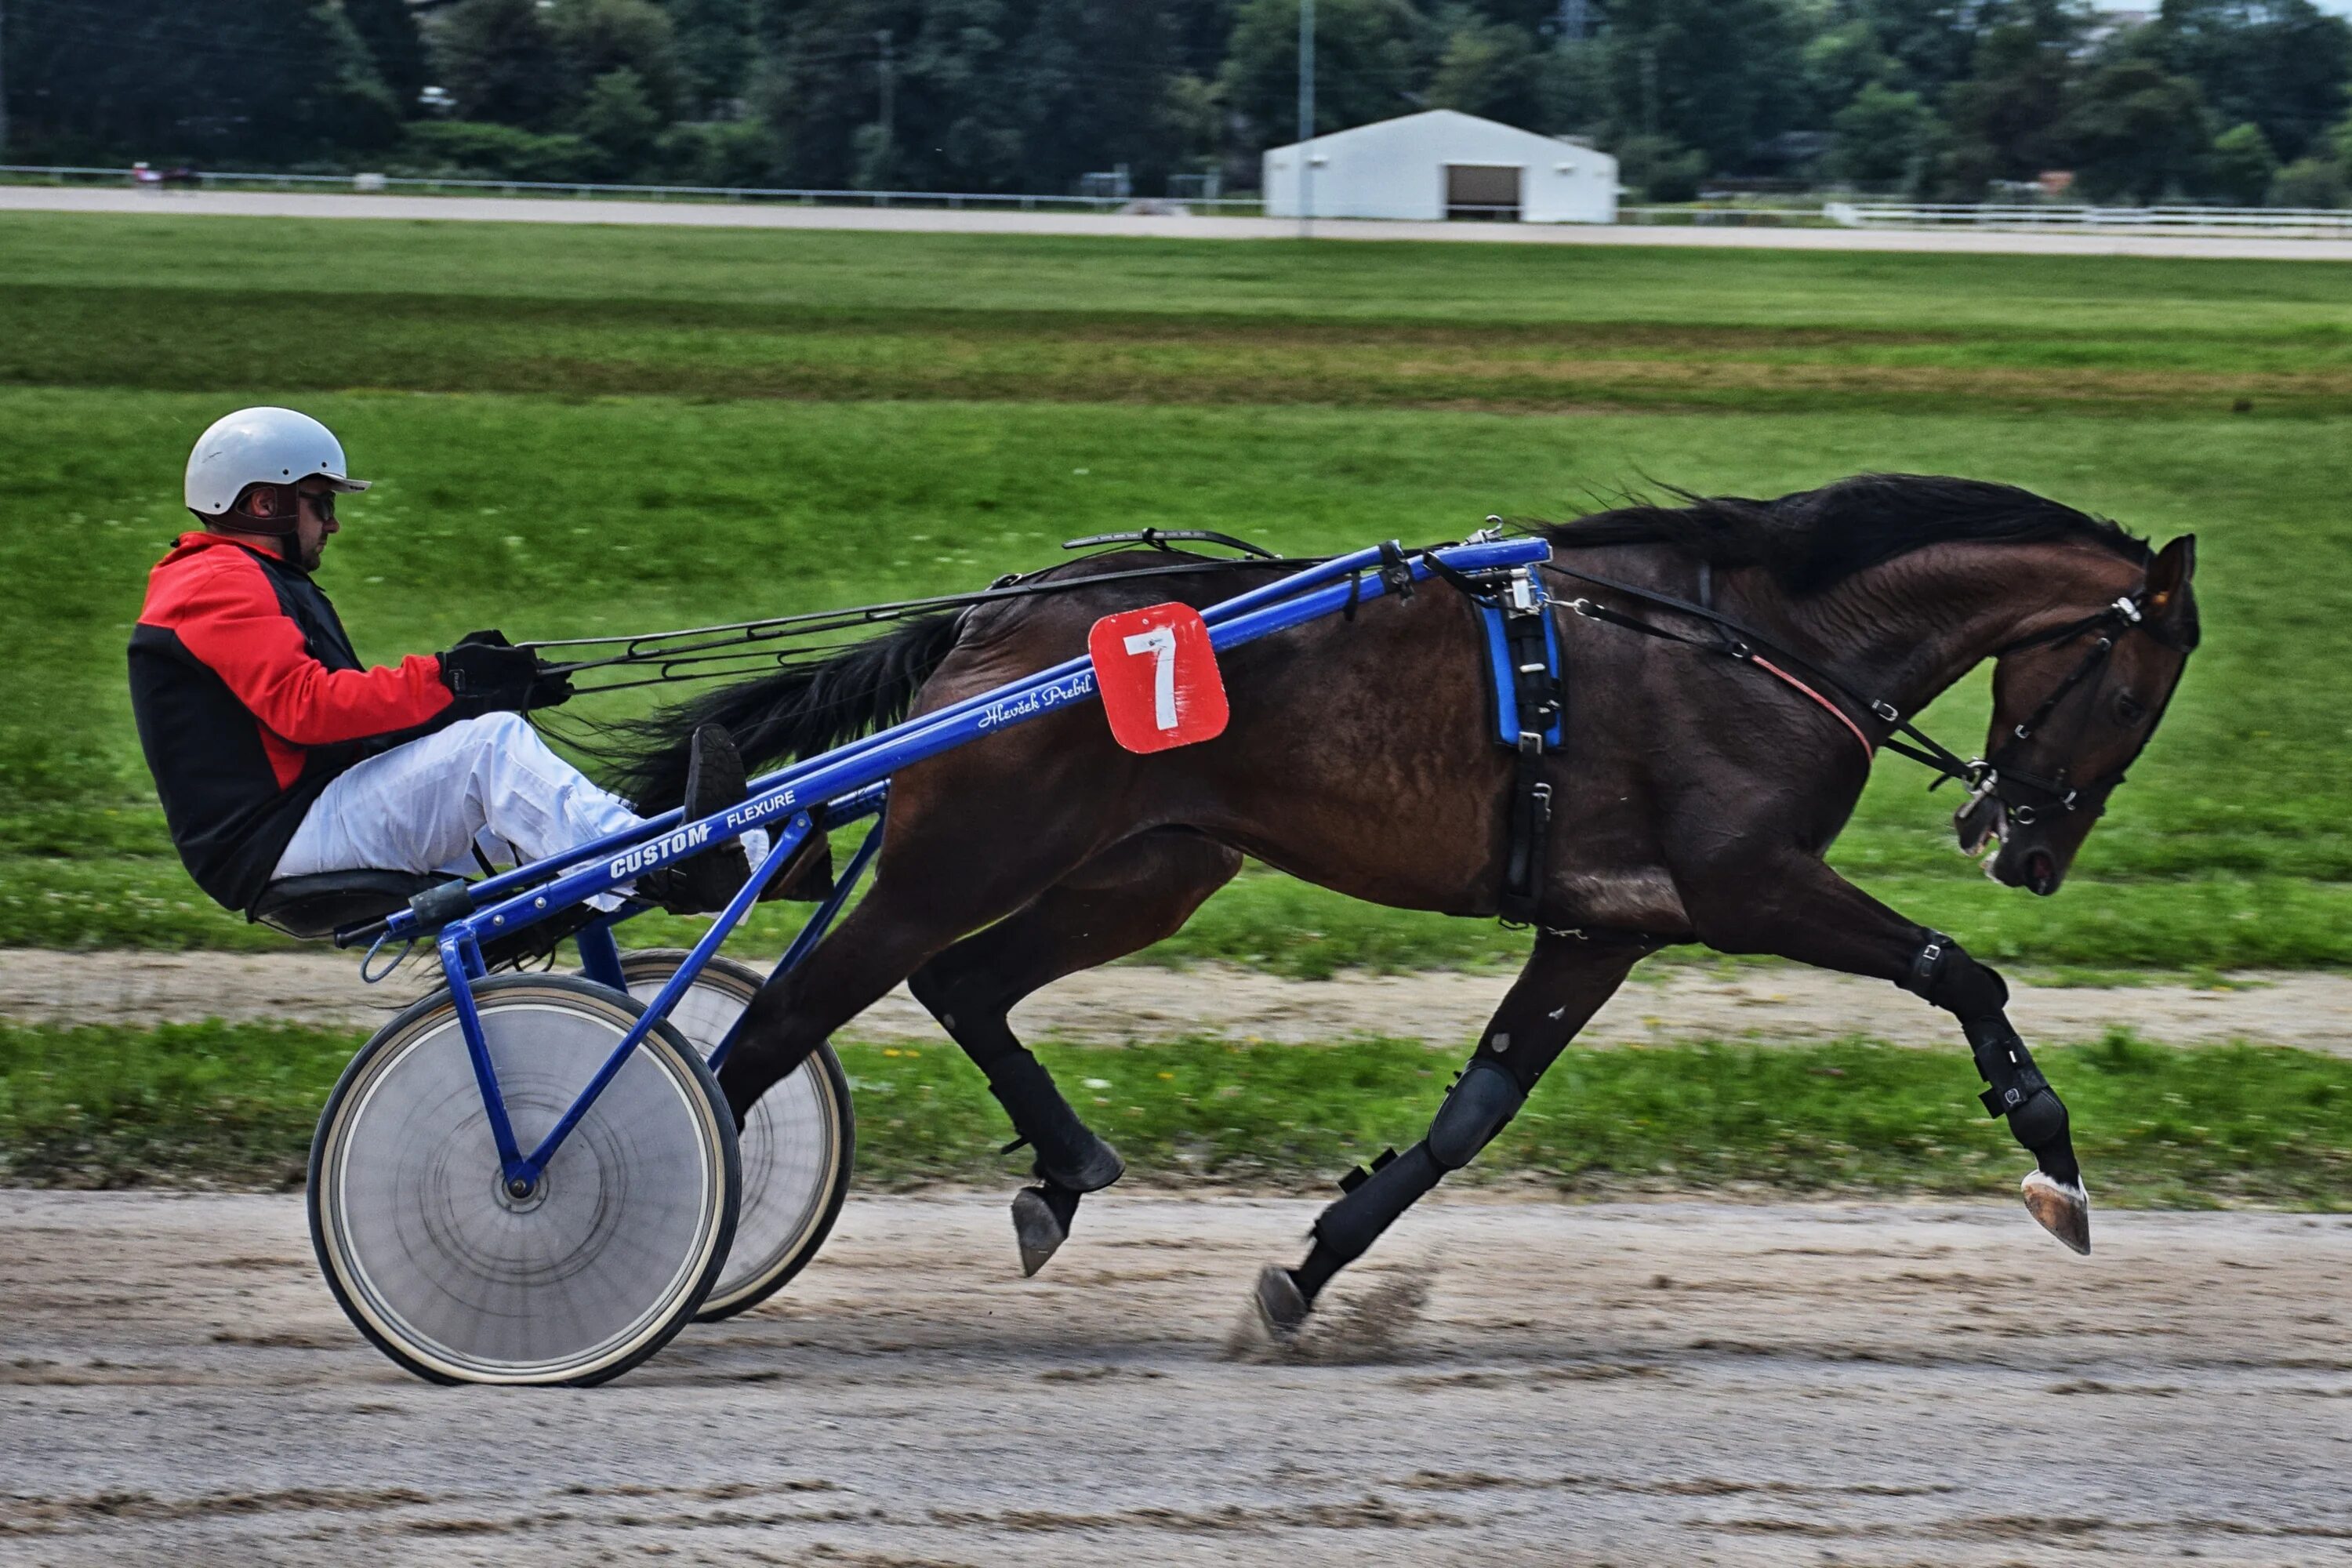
1487	192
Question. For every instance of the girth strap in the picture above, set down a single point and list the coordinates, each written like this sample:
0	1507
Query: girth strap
1523	660
1523	649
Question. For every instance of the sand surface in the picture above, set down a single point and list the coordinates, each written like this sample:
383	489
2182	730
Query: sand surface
1501	1383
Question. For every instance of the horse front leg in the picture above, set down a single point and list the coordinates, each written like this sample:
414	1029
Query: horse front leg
1123	900
1565	982
1800	909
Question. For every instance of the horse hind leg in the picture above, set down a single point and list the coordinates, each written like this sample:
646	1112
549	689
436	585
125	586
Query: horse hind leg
1130	896
928	891
1564	984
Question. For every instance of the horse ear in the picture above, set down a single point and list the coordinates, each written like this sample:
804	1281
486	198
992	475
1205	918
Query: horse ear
2170	571
2168	580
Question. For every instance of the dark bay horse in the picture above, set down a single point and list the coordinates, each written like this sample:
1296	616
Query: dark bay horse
1694	798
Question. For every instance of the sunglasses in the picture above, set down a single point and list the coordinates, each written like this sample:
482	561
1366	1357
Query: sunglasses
322	502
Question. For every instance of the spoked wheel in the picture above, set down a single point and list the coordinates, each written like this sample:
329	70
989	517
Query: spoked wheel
797	1146
458	1279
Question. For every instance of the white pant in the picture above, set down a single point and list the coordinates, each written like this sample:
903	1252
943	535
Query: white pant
424	806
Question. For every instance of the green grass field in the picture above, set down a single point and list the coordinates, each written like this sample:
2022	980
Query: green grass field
2154	1126
583	429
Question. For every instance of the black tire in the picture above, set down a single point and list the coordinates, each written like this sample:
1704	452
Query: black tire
437	1265
789	1204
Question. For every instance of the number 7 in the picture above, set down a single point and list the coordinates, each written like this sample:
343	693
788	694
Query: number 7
1159	642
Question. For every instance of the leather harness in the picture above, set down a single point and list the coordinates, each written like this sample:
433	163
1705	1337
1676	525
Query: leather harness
1523	673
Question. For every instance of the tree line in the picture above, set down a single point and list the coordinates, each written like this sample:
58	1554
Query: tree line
2236	100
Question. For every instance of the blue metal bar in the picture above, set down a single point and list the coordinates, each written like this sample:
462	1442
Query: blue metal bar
786	841
455	964
599	955
810	934
813	932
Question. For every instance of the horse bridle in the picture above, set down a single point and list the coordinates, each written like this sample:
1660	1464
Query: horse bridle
2111	624
2026	796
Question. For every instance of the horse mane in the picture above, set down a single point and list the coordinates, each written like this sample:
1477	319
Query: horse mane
1811	539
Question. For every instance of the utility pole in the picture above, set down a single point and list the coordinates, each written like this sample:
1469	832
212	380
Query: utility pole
1574	20
882	164
1306	119
4	75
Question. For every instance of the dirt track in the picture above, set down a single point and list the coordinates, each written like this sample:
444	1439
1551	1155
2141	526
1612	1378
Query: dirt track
2313	1011
1637	1384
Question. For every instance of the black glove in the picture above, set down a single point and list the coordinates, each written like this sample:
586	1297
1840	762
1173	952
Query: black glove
549	688
489	675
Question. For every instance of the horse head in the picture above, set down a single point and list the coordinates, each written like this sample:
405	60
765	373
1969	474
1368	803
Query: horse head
2072	709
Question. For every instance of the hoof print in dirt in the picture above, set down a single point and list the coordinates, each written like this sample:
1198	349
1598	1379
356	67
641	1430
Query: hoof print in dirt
1041	1222
1281	1305
2062	1208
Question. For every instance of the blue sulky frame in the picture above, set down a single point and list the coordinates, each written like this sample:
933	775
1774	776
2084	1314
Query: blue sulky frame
841	787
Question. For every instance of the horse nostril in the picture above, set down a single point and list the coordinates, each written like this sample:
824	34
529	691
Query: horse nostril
2042	873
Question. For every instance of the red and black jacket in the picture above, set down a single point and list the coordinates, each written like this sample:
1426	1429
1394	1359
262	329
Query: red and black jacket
250	701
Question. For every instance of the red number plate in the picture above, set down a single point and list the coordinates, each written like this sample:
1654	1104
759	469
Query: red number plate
1157	673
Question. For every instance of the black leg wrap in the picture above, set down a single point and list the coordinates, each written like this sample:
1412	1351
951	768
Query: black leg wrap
1352	1225
1322	1264
2004	1063
2037	1118
1480	1102
1948	977
1069	1154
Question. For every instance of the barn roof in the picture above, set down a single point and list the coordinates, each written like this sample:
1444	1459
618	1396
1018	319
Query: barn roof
1431	123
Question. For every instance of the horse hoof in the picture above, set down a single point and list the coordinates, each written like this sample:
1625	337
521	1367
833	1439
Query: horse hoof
2062	1208
1039	1230
1281	1305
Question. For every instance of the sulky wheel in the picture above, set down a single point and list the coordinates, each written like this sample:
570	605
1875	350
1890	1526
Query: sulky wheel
459	1281
797	1146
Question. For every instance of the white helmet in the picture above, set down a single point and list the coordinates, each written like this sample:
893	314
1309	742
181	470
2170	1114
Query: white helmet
261	447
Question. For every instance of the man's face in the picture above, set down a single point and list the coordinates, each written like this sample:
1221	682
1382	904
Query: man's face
315	524
314	520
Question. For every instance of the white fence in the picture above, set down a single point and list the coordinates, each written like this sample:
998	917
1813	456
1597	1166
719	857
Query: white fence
373	183
2278	221
2112	220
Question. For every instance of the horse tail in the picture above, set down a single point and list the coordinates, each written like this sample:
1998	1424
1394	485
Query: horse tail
795	712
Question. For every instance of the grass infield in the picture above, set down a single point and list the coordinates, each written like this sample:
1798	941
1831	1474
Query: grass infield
581	430
2154	1125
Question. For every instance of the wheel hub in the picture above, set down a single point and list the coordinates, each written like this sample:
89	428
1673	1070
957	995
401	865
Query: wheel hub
518	1195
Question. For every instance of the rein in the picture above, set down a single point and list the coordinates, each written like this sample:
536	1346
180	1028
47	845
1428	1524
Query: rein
731	649
1746	645
1984	778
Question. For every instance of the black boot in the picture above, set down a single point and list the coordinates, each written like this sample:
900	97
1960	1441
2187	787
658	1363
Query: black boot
702	884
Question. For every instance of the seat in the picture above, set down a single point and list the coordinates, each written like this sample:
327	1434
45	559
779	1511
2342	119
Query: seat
313	908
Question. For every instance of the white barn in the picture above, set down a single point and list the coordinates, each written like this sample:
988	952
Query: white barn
1444	163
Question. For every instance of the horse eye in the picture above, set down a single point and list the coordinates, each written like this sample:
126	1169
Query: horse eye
2129	709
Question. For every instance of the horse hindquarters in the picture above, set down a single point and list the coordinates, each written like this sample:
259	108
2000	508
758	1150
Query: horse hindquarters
972	836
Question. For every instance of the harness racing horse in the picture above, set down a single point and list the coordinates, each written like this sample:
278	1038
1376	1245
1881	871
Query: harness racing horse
1694	798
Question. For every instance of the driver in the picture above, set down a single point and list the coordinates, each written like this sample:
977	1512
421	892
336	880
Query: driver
277	755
